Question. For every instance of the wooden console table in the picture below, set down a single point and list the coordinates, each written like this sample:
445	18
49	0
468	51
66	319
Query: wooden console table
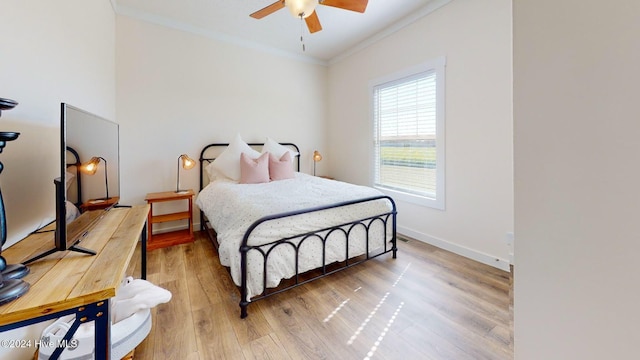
73	283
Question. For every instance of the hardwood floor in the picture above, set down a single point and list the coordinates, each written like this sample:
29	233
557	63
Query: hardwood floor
426	304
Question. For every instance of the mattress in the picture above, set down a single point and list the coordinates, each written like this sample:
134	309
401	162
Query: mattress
231	208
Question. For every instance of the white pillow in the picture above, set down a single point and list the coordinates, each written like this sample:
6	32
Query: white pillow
273	147
228	162
212	173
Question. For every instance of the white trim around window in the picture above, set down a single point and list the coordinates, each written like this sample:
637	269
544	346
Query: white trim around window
407	114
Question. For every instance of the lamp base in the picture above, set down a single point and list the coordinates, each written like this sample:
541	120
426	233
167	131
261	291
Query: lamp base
15	271
12	289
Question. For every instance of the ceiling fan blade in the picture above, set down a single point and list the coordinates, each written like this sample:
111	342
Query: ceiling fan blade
268	10
313	23
353	5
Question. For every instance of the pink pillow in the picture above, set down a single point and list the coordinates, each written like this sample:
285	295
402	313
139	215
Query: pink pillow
254	171
280	169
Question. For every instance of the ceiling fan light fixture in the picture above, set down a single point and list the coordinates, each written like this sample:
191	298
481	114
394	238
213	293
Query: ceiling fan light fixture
301	8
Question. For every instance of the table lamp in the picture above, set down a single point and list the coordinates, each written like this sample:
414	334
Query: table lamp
90	167
316	158
187	163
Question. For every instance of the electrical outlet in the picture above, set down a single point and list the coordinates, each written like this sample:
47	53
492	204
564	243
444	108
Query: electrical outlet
509	239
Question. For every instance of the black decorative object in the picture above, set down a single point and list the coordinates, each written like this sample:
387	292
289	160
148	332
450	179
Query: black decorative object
7	104
11	287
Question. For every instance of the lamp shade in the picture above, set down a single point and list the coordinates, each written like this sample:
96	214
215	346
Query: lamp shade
187	163
317	156
90	167
301	8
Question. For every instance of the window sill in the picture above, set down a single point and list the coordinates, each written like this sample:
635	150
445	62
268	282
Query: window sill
413	199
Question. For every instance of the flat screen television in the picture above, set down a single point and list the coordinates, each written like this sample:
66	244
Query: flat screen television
85	136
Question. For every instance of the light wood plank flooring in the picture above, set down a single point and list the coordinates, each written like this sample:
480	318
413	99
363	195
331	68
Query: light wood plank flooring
426	304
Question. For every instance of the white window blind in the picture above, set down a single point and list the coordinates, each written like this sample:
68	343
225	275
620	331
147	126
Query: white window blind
406	129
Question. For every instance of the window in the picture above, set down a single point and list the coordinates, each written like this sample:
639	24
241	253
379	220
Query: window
408	119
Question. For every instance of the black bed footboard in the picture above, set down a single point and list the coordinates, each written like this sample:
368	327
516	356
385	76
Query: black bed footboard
386	219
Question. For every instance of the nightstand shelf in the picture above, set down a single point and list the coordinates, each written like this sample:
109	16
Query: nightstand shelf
171	217
169	239
156	241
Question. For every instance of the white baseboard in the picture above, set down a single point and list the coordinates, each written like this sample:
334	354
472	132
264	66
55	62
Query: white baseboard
499	263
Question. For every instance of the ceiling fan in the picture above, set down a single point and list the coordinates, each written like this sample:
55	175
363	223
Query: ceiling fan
306	9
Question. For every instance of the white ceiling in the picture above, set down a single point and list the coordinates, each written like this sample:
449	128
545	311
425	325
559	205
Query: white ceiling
228	20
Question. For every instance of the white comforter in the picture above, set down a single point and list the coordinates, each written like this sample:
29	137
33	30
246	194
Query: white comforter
232	208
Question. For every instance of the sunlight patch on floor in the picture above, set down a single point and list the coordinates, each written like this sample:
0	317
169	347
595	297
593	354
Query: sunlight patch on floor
401	275
335	311
366	321
384	332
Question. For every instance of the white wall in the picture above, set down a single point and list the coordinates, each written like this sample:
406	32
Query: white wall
475	37
577	172
51	52
178	91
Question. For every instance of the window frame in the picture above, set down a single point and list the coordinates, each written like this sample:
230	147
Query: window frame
438	66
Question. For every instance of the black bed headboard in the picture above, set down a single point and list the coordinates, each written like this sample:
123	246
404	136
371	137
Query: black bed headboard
211	151
75	163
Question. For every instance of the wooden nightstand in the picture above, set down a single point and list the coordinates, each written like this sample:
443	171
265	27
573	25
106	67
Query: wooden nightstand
96	204
173	237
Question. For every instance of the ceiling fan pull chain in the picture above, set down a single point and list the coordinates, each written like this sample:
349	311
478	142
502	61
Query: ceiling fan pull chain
302	32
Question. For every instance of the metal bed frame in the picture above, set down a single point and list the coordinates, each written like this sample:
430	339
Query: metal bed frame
297	240
78	179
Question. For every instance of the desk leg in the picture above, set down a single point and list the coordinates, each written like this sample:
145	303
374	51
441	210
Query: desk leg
99	314
103	332
144	252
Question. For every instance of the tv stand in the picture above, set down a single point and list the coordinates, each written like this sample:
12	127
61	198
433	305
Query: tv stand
82	250
54	250
77	230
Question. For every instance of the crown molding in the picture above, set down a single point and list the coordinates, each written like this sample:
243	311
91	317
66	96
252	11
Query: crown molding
397	26
176	25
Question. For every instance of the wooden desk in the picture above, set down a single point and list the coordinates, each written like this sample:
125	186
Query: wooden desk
73	283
